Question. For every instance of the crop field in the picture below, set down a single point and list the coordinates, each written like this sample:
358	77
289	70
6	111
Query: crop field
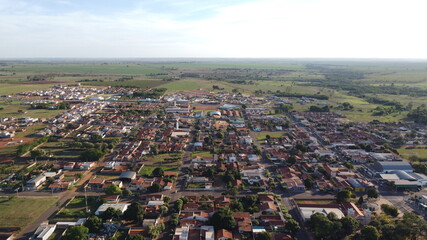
21	211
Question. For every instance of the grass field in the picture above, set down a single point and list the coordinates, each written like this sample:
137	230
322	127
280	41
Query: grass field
261	136
202	154
20	211
147	170
167	157
9	89
11	110
417	152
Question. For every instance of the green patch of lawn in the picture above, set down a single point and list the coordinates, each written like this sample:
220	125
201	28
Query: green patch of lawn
167	157
147	170
21	211
260	136
76	208
201	154
196	185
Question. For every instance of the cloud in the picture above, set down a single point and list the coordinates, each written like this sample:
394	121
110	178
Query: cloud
264	28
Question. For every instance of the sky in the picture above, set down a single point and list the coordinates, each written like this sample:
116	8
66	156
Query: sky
213	29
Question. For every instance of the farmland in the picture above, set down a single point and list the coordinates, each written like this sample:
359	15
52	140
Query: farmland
340	81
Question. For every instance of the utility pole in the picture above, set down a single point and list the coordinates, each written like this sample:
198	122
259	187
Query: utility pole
86	198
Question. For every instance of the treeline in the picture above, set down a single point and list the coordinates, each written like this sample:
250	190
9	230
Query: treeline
300	95
26	147
153	93
419	115
62	105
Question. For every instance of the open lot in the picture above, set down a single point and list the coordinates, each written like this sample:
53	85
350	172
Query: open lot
147	170
76	208
21	211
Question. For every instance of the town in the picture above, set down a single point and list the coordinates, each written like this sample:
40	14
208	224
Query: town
132	163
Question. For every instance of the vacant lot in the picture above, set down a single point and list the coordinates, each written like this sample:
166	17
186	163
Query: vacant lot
409	152
20	211
147	170
261	136
77	209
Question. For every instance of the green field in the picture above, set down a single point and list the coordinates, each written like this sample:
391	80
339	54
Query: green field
406	153
201	154
76	208
261	136
167	157
147	170
9	89
20	211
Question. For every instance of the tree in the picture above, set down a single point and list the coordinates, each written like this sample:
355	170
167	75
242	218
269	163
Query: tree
76	233
308	182
94	224
349	225
370	233
390	210
111	213
135	212
164	209
136	237
372	193
174	220
158	172
223	219
292	226
155	231
113	190
263	236
37	153
322	226
127	193
178	205
233	191
236	206
291	160
156	187
344	195
91	155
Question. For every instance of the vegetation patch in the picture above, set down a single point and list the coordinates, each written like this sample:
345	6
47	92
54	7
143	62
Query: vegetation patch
21	211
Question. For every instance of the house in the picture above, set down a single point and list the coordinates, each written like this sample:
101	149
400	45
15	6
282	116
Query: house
59	186
224	234
266	199
118	206
244	222
128	176
268	207
95	184
35	182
